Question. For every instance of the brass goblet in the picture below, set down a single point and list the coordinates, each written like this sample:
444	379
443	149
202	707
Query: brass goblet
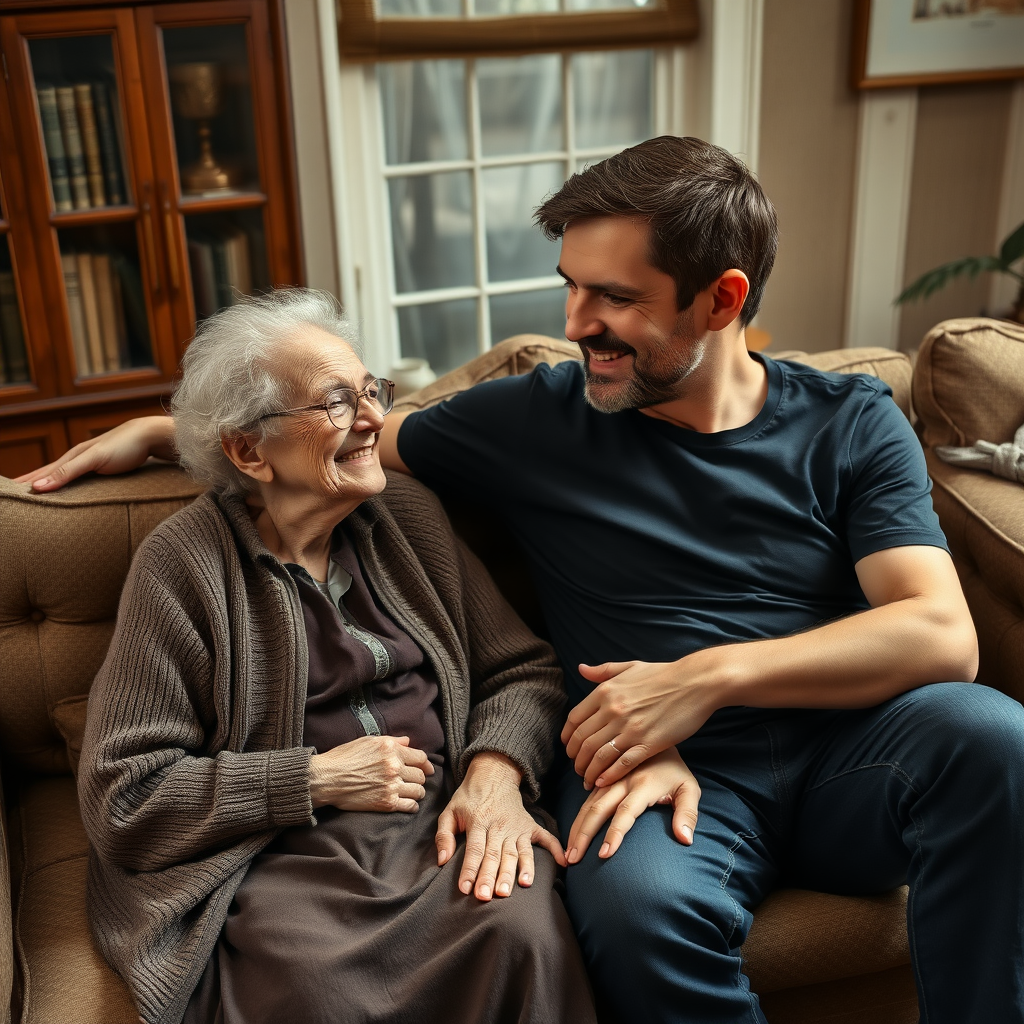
196	93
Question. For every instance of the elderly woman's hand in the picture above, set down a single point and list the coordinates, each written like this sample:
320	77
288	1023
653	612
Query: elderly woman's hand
372	773
500	832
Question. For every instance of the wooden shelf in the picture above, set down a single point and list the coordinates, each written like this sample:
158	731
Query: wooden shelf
214	204
99	215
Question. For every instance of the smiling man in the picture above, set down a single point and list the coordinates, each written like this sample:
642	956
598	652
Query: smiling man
763	635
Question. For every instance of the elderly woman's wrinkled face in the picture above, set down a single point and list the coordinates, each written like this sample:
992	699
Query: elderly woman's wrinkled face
309	456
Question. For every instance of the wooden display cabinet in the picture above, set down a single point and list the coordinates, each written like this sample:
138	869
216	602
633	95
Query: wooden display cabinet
146	180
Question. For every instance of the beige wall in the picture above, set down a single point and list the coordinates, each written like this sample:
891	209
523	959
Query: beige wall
807	161
959	151
807	164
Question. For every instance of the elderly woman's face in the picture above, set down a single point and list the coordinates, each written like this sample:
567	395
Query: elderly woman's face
309	455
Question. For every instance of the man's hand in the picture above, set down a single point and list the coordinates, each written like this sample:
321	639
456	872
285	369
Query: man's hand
500	832
120	450
662	779
636	710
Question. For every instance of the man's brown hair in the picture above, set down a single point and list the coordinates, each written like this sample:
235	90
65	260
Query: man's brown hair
706	212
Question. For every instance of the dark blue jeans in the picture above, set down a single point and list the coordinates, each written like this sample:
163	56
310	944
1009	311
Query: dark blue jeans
927	789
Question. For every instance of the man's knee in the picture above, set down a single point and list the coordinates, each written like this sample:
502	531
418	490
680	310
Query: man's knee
655	890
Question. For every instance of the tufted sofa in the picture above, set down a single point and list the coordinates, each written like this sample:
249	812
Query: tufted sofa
63	559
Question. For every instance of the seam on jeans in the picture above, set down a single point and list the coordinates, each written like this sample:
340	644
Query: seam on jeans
779	776
894	766
741	837
911	935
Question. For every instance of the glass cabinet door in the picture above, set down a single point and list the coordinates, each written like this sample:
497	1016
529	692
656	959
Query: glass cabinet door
104	268
224	193
14	364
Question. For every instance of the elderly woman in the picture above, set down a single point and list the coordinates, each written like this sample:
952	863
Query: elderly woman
312	691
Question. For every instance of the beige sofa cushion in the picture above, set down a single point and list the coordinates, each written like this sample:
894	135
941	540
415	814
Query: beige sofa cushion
969	382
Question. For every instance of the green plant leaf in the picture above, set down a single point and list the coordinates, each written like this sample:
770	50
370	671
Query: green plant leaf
1013	246
931	282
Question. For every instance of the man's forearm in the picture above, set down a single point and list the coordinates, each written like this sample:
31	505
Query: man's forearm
854	662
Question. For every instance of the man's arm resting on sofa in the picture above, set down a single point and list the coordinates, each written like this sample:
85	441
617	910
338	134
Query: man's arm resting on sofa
917	631
127	446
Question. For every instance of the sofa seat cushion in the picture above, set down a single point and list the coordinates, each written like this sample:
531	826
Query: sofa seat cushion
983	517
63	976
803	938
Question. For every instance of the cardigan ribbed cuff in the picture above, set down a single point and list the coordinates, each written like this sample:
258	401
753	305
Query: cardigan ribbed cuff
288	799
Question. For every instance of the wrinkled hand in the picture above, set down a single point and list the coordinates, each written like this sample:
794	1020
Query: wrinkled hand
120	450
661	779
372	773
500	833
644	707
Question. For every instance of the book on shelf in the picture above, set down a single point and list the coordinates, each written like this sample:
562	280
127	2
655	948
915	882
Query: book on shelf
57	159
221	264
76	313
12	338
109	150
91	311
103	279
73	146
90	142
106	310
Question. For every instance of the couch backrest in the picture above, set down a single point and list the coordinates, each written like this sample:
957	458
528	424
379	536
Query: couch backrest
969	382
63	562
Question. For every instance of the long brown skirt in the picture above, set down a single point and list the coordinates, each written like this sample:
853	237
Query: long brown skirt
352	921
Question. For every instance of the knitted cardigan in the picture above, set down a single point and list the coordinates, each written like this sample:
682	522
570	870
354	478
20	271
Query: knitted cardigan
192	760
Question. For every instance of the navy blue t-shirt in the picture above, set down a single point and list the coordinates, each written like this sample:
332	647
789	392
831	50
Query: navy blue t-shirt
649	541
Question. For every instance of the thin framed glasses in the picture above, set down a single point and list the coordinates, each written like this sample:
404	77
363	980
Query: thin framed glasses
342	403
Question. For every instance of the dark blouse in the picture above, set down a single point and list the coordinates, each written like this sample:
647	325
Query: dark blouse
367	676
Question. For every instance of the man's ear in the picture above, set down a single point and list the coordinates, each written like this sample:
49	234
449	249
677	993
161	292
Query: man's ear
246	457
728	294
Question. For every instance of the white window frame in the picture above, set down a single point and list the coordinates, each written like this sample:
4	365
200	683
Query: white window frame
367	273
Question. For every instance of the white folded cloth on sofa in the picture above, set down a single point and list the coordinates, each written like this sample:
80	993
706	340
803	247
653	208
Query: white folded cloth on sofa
1006	460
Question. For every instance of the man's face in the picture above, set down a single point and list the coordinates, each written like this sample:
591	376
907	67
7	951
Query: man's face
638	348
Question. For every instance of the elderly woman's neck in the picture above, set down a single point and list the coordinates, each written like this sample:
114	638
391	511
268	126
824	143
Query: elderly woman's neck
297	534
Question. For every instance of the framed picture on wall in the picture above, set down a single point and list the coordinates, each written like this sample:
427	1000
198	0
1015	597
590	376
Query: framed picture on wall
924	42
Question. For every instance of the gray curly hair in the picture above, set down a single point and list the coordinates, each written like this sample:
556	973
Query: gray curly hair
226	382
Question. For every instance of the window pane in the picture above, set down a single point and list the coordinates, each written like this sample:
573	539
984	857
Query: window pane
419	8
614	97
80	115
515	248
604	5
515	6
528	313
424	108
443	333
432	231
520	104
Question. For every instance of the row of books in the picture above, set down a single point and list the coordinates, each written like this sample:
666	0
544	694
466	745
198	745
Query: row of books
80	134
13	362
105	307
222	268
